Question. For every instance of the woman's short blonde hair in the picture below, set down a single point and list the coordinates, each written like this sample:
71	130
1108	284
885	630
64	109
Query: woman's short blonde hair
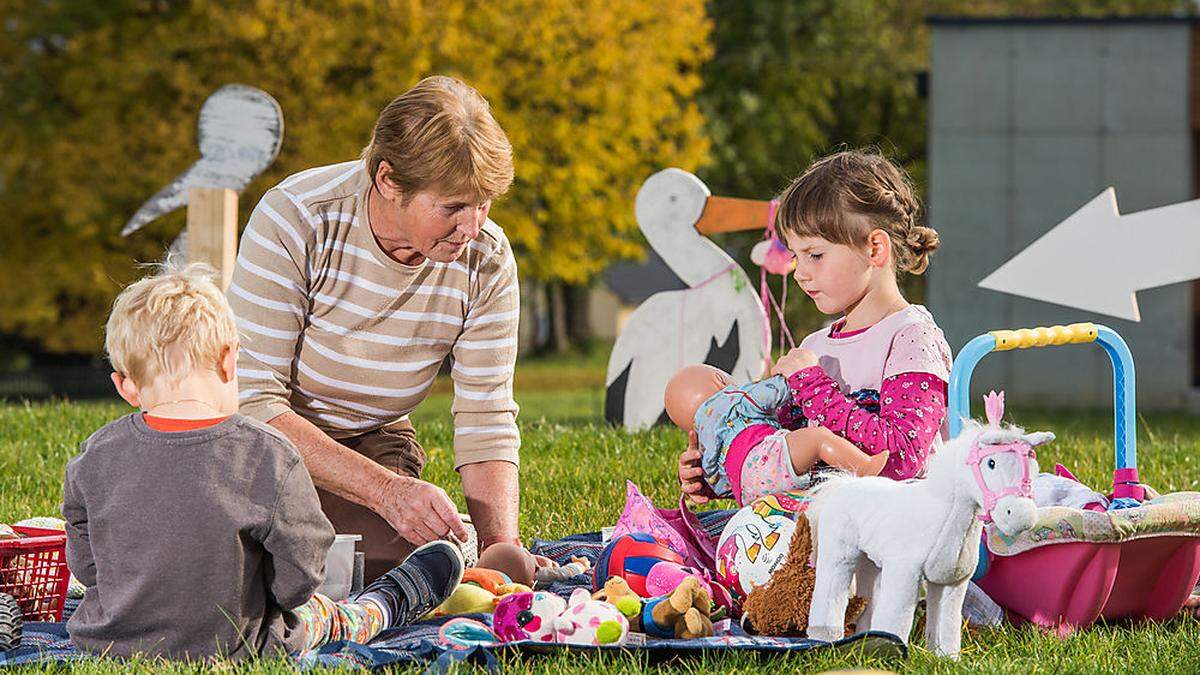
169	324
441	135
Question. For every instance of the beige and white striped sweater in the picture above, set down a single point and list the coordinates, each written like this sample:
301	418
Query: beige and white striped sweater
348	338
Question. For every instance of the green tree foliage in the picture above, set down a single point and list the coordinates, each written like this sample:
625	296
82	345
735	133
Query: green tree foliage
792	80
101	102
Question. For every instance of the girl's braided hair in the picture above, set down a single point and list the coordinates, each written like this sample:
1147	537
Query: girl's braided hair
822	203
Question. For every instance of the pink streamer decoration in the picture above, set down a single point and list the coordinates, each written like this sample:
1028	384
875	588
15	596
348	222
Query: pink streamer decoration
775	259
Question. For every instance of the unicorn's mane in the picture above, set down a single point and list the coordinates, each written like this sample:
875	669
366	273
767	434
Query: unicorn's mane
942	462
942	465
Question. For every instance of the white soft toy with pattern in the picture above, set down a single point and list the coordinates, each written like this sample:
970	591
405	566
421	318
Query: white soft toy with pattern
897	533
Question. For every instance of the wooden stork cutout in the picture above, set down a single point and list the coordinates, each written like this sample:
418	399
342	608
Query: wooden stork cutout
239	132
718	319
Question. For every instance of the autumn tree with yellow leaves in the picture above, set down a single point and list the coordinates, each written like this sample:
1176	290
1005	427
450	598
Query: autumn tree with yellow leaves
100	105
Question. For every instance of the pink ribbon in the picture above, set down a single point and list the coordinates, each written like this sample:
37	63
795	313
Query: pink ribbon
768	300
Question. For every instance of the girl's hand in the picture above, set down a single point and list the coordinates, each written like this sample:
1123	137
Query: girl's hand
794	361
691	474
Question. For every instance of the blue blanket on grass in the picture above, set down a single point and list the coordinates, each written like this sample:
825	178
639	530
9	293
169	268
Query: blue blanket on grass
417	644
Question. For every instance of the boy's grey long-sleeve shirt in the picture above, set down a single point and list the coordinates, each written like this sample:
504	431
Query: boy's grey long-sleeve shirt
192	543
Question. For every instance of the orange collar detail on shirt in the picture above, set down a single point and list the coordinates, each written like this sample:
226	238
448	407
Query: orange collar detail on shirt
169	424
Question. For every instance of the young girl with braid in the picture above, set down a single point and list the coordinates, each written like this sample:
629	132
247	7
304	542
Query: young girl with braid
878	376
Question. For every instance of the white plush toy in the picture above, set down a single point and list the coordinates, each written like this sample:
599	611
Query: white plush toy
897	533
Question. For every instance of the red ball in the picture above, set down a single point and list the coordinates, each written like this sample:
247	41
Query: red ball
630	557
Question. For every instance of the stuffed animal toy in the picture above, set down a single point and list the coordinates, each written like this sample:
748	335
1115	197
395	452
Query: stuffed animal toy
487	579
780	607
544	617
615	589
527	616
477	594
892	535
685	612
666	577
591	622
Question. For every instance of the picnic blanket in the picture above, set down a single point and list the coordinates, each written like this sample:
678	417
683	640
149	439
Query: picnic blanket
417	643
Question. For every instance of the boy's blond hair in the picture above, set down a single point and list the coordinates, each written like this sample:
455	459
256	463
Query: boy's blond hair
441	135
169	324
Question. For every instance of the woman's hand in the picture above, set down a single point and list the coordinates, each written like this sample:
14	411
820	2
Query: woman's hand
691	474
420	512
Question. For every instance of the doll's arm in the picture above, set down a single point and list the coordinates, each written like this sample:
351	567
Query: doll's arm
911	409
549	575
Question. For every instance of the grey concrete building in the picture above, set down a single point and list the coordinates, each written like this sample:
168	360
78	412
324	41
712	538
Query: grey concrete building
1029	119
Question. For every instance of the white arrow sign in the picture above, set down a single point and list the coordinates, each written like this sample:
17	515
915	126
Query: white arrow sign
1097	259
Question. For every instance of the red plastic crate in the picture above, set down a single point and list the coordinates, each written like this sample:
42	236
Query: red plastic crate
33	570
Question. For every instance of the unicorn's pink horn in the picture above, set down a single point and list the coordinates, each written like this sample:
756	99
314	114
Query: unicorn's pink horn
993	405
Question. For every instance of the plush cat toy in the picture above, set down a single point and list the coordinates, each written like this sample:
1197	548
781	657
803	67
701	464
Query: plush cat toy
545	617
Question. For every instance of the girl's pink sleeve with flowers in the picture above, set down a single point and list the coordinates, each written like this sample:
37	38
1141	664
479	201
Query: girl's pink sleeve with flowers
912	404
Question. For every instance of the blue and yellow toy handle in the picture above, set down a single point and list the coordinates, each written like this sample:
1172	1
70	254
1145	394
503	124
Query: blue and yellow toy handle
1125	429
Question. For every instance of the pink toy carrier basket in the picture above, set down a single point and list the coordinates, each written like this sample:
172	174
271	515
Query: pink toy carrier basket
1068	584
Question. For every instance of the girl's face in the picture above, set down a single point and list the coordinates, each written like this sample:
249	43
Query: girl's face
835	276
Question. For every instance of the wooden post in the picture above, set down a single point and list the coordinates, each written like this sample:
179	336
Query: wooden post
212	229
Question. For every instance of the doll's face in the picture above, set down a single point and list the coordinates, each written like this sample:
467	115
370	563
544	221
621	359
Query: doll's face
689	389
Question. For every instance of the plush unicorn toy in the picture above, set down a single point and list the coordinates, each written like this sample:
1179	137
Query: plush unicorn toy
898	533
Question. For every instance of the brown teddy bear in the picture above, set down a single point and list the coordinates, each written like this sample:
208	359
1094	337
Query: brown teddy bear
684	613
614	589
780	607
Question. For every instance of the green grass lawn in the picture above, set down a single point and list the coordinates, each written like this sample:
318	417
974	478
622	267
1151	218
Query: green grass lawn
574	468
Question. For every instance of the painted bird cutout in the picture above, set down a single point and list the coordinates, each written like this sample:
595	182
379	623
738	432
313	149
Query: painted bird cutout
239	132
717	319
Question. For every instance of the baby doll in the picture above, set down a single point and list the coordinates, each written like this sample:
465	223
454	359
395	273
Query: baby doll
521	567
745	451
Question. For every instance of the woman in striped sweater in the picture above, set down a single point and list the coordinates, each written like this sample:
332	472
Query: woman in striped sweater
354	282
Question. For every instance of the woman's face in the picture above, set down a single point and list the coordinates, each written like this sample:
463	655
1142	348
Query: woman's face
438	226
835	276
429	224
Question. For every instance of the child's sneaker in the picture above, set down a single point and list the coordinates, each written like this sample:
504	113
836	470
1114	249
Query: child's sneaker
416	586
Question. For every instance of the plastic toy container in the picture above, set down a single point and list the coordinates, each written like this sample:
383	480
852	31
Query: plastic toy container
339	567
33	569
1067	579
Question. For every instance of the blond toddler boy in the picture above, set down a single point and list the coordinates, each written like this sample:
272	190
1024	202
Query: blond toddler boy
197	531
